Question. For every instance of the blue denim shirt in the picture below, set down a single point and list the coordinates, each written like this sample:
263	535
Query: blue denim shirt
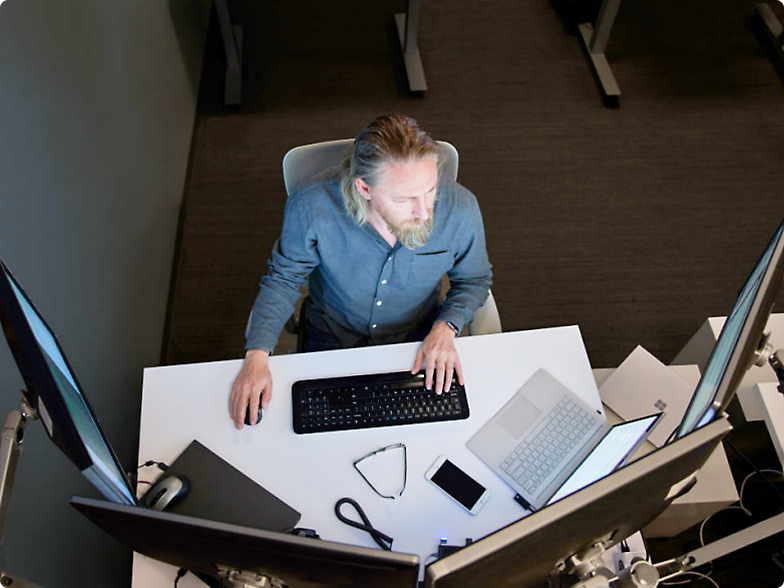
361	289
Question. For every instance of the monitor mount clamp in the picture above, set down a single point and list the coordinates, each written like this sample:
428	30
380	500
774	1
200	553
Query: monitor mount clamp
10	450
766	353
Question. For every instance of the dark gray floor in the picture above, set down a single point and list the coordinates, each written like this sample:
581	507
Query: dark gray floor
636	223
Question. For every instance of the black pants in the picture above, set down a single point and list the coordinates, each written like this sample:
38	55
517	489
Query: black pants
310	338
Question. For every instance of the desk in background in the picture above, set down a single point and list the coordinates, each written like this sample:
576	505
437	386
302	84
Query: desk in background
759	399
312	472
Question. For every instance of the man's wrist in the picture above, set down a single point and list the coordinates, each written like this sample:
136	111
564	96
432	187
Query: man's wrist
254	353
453	326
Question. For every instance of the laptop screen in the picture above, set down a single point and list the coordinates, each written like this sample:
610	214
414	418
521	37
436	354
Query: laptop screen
609	454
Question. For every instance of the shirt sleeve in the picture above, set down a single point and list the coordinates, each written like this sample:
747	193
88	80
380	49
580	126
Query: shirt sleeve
294	257
471	276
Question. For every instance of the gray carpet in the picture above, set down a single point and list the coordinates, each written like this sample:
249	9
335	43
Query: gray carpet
636	223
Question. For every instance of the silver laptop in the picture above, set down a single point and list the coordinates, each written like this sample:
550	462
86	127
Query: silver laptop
543	435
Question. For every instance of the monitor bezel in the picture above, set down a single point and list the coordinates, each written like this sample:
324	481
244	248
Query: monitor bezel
194	543
751	334
42	392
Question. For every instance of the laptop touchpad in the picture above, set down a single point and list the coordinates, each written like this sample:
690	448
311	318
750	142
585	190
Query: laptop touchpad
516	419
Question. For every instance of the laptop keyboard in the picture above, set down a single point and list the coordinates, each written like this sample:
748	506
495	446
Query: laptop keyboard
531	462
378	400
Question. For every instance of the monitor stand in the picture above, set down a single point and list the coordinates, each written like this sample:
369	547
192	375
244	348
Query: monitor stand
10	450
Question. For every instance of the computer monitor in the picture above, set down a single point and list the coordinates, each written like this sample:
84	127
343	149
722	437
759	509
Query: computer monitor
524	554
740	337
204	547
54	392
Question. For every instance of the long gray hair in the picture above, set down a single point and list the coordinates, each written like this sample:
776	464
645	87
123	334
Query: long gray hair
392	138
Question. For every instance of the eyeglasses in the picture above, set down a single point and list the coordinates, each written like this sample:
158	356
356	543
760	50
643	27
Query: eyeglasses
377	452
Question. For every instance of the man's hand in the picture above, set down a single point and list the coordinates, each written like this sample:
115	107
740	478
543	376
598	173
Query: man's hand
253	379
439	350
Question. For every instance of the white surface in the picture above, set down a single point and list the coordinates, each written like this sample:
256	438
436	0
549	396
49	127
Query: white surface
641	383
772	402
699	348
311	472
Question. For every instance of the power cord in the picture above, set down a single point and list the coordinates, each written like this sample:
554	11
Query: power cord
384	541
740	506
701	577
180	573
754	467
134	476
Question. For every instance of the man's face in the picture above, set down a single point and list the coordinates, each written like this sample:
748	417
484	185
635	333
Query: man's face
404	198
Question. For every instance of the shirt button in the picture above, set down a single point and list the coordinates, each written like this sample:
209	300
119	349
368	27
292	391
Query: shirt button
383	281
374	326
389	258
378	303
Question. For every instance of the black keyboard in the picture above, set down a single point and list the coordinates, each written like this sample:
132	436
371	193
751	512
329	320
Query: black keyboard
377	400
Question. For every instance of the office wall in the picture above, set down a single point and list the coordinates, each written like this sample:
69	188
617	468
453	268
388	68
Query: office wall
97	105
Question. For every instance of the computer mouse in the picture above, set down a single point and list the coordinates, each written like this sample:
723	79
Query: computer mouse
258	418
166	492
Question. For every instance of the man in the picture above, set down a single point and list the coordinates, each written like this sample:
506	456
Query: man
373	239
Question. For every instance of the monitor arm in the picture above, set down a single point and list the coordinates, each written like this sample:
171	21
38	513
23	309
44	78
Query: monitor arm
589	567
766	353
10	450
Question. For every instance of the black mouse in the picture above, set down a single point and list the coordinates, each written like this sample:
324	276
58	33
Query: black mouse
258	418
167	491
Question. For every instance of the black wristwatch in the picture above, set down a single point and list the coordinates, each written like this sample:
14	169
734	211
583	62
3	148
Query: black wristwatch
453	326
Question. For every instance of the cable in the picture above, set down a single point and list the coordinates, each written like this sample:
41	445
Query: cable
133	476
384	541
151	462
754	467
741	506
763	471
702	576
180	573
746	511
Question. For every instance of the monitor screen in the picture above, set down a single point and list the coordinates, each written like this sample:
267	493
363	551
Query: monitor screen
54	391
525	553
204	546
739	338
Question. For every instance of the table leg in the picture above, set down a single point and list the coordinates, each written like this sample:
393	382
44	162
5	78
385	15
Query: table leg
232	45
407	25
594	41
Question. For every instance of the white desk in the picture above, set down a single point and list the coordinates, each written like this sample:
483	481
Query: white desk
311	472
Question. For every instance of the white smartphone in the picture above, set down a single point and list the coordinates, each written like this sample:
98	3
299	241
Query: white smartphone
461	487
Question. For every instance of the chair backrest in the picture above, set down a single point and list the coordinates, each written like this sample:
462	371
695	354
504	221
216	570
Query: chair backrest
486	319
303	162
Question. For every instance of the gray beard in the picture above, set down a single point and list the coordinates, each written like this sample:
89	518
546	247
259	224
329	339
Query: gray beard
413	237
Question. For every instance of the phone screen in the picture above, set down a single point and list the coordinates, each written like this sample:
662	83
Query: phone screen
458	484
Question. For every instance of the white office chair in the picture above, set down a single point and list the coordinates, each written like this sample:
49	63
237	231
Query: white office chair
303	162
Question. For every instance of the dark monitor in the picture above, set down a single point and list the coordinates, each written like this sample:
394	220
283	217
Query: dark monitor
740	337
204	547
54	392
524	554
